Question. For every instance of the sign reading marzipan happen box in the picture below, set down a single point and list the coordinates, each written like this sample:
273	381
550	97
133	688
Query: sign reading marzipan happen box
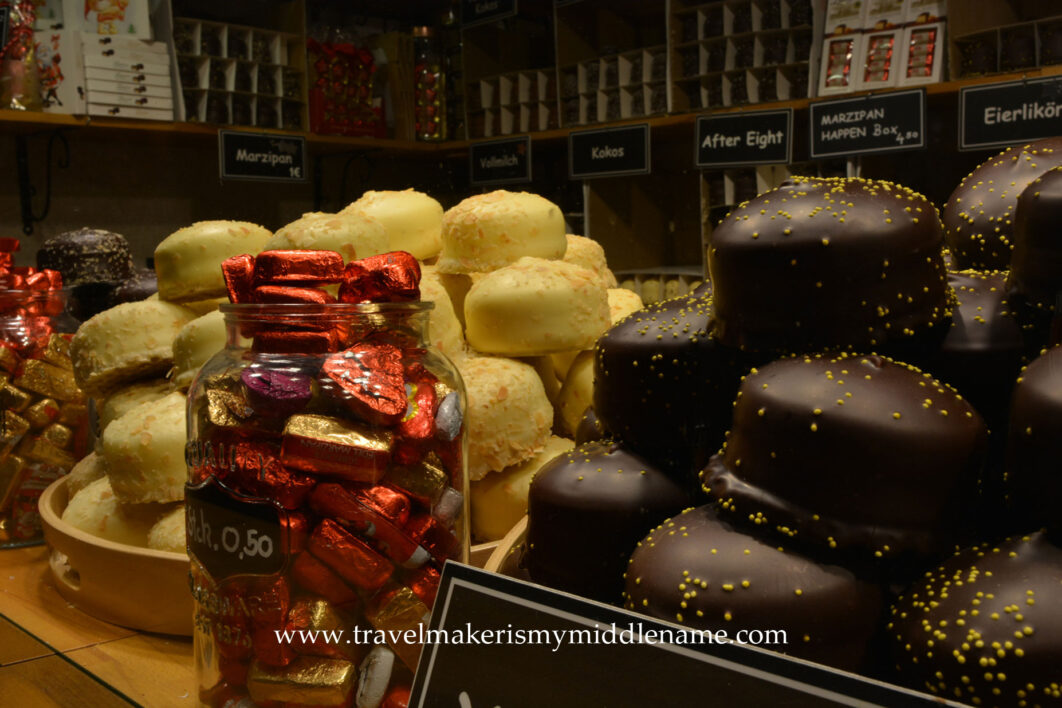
886	122
510	643
261	156
1011	112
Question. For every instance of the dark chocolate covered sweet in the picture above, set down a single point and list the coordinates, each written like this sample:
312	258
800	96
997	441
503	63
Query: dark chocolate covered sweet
979	215
986	627
590	428
1034	447
142	284
586	511
861	457
828	263
698	570
663	385
87	256
1036	263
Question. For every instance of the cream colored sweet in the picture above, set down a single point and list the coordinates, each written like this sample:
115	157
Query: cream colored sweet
168	533
352	234
197	341
444	328
144	451
129	397
589	254
457	286
96	510
622	302
188	261
577	392
202	307
488	231
536	306
412	219
126	343
499	500
509	416
88	469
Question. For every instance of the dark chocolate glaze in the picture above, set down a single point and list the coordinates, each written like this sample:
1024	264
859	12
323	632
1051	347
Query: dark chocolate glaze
698	570
141	285
586	511
664	386
979	215
1034	447
986	627
827	264
1036	263
860	457
590	428
89	300
87	256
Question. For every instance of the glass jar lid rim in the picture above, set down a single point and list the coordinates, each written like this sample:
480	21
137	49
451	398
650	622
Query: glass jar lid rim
334	308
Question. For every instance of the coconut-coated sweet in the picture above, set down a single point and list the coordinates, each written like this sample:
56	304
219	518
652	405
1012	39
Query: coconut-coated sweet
828	263
144	452
88	469
586	512
509	415
698	570
1036	263
979	215
855	456
499	500
536	306
97	510
985	628
352	234
168	533
488	231
126	343
188	261
194	344
589	254
412	219
129	397
577	392
444	328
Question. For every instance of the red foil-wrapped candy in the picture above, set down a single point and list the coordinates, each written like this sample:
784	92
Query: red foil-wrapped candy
315	576
302	267
287	294
367	379
351	558
239	277
388	277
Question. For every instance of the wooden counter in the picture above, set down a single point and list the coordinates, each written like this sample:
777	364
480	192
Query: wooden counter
52	654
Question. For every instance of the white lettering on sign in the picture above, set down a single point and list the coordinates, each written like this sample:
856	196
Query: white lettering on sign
602	153
763	140
844	133
716	140
1028	111
269	158
853	116
482	7
498	161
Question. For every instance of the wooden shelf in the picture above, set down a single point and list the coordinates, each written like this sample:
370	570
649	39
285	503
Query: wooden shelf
22	122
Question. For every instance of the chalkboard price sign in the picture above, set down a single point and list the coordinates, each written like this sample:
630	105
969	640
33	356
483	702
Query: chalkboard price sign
1002	114
477	12
261	156
609	152
887	122
500	161
746	138
509	643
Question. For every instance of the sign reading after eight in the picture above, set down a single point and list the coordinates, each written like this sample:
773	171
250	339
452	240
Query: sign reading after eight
609	152
505	161
747	138
261	156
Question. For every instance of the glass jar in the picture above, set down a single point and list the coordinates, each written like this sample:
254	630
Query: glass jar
429	86
327	486
43	414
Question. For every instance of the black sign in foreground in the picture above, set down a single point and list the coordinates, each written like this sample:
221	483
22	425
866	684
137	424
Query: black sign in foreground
609	152
747	138
500	161
885	122
261	156
998	115
575	658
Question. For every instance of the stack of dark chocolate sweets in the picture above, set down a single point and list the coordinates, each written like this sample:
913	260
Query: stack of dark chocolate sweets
855	395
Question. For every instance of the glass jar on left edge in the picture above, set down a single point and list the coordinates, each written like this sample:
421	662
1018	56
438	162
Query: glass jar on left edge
43	415
327	486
